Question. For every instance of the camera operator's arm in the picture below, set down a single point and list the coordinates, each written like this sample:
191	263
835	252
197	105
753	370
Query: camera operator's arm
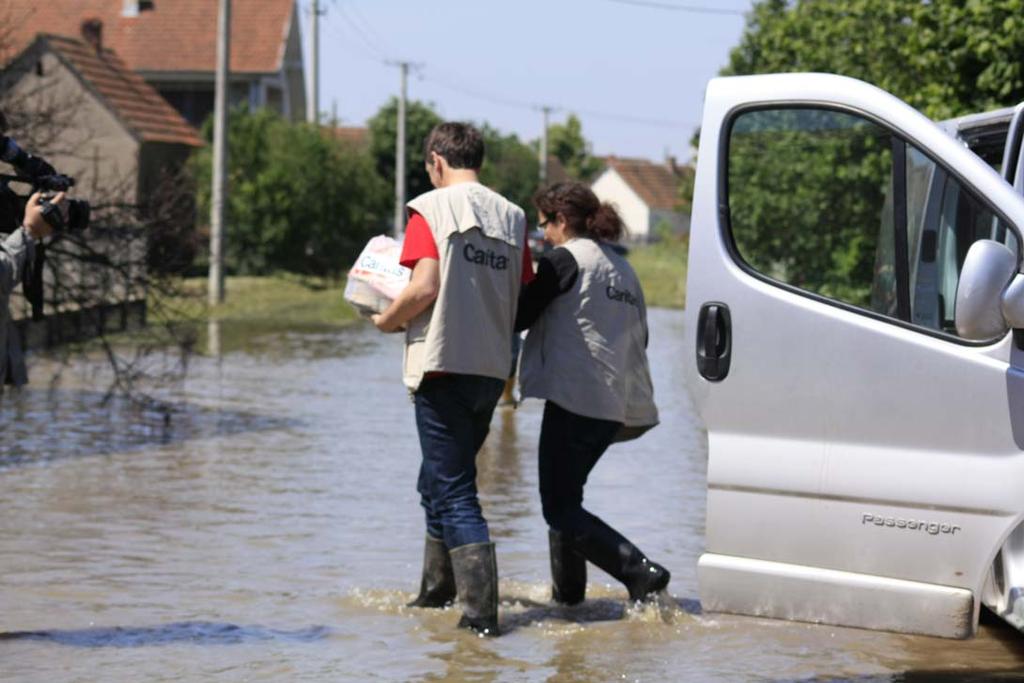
16	251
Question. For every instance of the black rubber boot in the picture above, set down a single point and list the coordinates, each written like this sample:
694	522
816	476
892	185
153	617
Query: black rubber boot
612	552
568	570
476	576
437	587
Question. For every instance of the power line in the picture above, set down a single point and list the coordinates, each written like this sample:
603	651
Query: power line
360	33
628	118
692	9
519	104
493	99
379	55
346	44
353	9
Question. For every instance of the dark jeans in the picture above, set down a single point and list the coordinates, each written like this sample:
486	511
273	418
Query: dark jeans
570	446
453	415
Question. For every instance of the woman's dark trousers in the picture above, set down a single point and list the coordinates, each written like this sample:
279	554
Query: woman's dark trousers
570	446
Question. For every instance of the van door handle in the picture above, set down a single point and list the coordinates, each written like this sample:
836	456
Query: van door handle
714	341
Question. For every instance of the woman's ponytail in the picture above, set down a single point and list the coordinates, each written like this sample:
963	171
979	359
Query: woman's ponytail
605	224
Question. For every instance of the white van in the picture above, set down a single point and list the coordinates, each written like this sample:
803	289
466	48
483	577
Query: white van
855	346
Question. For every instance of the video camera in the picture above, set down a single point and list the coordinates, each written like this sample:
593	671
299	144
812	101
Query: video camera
41	177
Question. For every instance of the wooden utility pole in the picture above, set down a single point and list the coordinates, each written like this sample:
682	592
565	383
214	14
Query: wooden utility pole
313	110
220	155
544	146
400	153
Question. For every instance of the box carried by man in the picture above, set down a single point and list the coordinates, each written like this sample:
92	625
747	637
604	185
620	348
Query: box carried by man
377	278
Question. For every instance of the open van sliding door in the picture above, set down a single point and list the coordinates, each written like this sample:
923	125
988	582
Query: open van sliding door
863	467
1004	585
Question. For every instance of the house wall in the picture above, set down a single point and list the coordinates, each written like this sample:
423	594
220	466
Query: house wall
87	141
293	75
192	95
158	162
610	187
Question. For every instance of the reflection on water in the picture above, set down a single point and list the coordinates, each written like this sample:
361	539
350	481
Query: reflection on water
193	632
41	425
271	531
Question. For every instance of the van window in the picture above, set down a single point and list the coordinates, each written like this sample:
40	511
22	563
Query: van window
989	143
837	206
943	220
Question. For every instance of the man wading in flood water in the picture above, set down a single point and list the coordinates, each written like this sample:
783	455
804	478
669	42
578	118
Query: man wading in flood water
466	247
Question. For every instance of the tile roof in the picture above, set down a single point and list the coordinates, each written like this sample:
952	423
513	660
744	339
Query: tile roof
175	35
135	103
556	171
352	135
656	184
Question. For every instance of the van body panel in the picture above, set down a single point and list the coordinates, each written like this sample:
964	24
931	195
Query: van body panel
830	597
830	418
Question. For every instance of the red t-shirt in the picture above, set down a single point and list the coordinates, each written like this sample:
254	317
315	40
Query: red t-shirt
419	243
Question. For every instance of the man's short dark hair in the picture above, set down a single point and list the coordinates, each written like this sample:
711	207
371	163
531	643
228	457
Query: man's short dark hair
460	144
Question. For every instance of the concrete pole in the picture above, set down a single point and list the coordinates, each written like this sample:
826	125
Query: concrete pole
220	155
400	155
544	147
313	110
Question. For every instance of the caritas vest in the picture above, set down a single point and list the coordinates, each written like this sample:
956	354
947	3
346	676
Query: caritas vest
468	330
587	350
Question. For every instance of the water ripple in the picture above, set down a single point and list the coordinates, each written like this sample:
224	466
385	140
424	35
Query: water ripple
194	632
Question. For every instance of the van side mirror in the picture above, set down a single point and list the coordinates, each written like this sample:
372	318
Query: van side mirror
982	293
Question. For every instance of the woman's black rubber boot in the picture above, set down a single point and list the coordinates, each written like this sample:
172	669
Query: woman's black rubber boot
476	577
568	570
612	552
437	587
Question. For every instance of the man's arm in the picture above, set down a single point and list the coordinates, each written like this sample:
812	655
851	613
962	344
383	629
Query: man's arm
417	296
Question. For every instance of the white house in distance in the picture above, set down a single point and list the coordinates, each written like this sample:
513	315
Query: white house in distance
645	193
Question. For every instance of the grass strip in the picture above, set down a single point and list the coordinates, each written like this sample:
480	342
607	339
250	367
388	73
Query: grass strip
661	267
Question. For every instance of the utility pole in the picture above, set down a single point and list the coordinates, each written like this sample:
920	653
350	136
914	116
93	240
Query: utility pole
400	152
313	110
220	155
544	146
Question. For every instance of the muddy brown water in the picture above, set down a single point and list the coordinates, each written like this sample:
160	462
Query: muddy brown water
271	532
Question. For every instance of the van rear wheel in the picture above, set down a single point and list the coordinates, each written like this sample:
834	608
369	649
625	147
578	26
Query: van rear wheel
1004	588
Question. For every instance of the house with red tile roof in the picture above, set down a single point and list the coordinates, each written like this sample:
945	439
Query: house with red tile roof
115	134
646	195
97	120
172	45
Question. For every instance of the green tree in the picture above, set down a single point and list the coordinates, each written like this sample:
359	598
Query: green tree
945	58
420	118
297	201
567	144
511	168
810	200
684	192
808	196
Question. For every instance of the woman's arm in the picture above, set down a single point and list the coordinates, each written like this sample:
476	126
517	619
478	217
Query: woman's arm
556	274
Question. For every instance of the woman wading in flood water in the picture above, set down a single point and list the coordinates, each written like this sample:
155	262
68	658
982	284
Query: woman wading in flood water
586	355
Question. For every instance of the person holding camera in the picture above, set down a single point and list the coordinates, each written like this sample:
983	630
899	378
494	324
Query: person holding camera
16	256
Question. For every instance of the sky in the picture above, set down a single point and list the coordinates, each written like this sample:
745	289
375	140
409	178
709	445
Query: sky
634	71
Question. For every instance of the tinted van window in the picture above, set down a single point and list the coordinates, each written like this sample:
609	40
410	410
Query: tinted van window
839	207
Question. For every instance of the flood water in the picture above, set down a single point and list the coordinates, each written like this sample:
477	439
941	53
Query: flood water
271	532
